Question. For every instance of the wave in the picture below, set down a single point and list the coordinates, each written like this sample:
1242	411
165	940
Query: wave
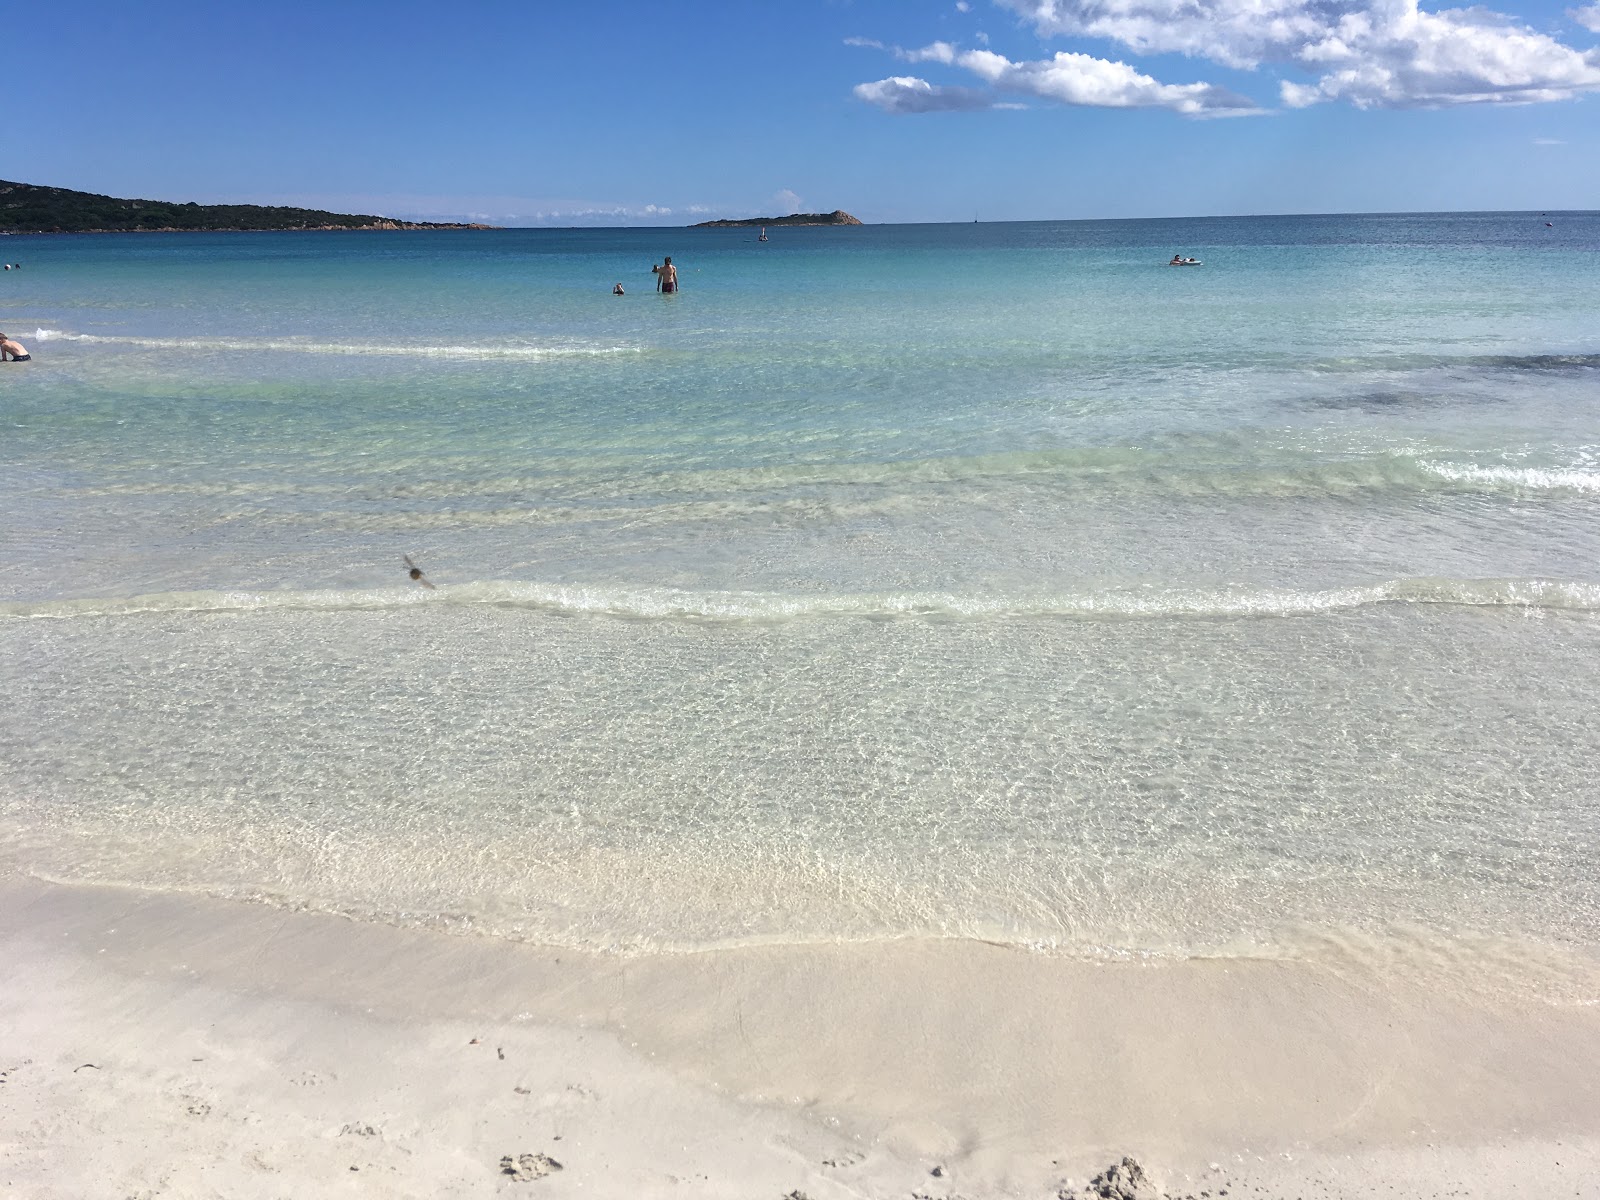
1332	365
398	349
664	604
1536	362
1503	362
1483	961
1201	470
1526	478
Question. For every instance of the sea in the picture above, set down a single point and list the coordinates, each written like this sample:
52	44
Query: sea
991	581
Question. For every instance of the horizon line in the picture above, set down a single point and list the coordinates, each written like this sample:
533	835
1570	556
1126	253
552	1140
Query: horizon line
1398	212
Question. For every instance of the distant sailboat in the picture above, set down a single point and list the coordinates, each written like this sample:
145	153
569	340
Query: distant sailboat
763	236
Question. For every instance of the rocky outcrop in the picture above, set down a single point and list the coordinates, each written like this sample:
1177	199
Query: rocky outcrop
837	217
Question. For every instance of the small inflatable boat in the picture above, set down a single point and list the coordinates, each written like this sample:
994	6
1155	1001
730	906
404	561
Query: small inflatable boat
1185	262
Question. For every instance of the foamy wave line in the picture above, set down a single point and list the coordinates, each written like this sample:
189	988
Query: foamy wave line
1212	470
1487	964
1512	362
409	350
679	604
1534	478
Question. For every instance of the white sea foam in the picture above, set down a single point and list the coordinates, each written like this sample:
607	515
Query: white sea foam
299	346
1099	471
663	604
1531	478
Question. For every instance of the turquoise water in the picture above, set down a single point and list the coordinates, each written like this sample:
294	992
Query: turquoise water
989	580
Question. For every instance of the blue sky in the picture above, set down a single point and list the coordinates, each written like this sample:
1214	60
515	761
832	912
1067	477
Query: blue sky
667	112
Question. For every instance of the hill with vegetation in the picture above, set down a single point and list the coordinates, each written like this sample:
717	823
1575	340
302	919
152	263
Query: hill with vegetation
837	217
29	208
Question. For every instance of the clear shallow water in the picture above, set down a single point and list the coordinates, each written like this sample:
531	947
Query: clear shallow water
990	580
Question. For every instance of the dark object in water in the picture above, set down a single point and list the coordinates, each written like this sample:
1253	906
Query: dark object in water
416	572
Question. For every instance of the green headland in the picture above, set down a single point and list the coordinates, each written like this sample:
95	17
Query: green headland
29	208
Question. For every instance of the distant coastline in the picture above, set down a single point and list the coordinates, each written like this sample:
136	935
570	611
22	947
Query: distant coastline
31	208
376	226
837	217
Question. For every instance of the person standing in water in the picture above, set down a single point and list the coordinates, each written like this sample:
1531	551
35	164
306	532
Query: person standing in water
666	276
15	351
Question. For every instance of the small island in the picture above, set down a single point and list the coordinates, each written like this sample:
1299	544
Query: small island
837	217
30	208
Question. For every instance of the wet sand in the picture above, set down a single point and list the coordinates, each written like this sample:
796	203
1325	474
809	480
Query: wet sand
174	1046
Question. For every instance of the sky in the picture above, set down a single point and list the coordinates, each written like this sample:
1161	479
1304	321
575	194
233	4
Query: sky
667	112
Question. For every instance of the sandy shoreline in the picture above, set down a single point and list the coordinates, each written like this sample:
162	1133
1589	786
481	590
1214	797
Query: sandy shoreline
160	1045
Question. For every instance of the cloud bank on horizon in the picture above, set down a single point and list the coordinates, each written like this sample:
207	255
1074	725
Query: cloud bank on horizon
1368	53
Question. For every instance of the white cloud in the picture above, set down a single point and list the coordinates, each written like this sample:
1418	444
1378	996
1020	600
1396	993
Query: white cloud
1076	79
536	213
963	6
1096	82
622	214
908	94
1548	142
490	209
787	199
868	43
1372	53
1588	17
939	52
1236	33
1454	57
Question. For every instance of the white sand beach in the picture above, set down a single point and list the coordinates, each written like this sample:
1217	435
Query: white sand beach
156	1045
541	657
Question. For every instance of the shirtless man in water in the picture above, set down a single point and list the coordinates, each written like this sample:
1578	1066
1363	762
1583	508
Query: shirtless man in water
15	351
667	275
